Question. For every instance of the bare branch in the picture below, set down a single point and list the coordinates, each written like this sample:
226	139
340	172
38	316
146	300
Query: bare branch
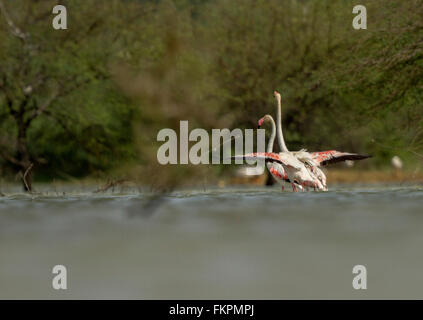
110	184
28	187
4	146
28	89
7	96
11	159
61	122
61	92
13	28
43	107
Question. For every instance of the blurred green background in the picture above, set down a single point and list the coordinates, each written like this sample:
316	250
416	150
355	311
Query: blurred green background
89	101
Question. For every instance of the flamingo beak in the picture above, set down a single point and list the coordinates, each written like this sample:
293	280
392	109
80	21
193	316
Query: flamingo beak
260	122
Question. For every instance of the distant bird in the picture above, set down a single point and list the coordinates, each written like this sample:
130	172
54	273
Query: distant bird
248	171
349	163
396	163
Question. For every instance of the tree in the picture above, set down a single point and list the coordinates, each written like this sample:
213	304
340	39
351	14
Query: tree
60	76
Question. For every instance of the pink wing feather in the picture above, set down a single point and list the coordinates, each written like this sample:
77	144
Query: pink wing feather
333	156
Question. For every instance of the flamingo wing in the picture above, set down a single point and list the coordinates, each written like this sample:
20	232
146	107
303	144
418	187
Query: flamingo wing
277	171
333	156
264	156
290	160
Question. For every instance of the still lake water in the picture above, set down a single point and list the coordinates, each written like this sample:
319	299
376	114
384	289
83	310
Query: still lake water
227	243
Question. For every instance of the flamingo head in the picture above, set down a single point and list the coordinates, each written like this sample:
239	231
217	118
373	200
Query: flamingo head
277	95
262	120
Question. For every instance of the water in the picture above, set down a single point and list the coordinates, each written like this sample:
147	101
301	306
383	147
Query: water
216	243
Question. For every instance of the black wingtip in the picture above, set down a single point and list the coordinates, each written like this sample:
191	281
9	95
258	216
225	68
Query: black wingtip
350	156
363	156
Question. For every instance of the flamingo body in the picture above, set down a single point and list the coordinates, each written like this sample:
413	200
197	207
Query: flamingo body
277	170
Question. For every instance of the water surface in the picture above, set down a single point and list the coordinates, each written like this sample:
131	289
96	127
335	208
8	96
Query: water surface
244	243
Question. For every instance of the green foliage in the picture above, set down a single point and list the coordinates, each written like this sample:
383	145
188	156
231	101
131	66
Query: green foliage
75	120
124	70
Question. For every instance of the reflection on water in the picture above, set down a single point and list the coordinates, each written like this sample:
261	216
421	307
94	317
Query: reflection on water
224	243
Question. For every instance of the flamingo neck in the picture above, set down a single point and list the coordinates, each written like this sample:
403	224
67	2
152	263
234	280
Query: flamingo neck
272	136
281	140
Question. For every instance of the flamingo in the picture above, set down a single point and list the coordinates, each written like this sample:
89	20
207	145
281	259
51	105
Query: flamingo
276	169
303	156
315	159
294	168
300	167
285	167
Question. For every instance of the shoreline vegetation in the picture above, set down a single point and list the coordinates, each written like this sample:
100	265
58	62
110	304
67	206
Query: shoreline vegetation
335	176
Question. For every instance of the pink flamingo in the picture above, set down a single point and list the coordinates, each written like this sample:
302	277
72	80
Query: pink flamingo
299	168
276	169
284	167
303	157
313	160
